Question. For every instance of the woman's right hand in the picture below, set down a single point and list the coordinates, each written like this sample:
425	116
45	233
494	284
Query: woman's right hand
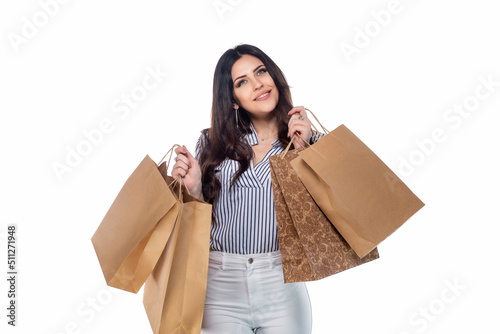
188	169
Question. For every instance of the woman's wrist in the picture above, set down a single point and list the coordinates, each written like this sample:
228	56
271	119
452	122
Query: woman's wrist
197	192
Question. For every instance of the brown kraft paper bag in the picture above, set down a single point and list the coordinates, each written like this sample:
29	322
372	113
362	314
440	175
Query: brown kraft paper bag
134	231
359	194
311	248
174	293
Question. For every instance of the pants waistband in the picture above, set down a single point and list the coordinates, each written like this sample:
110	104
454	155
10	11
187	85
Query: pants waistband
240	261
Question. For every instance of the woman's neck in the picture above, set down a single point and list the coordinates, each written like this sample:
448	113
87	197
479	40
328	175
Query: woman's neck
265	128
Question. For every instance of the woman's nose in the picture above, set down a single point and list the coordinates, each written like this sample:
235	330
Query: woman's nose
257	84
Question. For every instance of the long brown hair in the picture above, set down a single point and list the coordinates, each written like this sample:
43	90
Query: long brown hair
224	139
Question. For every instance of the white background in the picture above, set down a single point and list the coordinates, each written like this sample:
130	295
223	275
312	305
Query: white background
63	78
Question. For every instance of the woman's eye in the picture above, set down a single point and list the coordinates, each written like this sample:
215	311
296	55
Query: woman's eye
261	71
240	83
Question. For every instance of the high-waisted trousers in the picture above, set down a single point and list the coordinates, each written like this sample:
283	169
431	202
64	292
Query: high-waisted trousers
246	294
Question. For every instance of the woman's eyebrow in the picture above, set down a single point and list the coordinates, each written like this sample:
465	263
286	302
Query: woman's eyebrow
242	76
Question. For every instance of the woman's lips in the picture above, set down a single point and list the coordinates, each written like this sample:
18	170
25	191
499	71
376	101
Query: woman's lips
264	96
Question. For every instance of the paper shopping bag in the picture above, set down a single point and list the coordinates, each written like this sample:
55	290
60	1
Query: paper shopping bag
311	248
359	194
174	293
134	231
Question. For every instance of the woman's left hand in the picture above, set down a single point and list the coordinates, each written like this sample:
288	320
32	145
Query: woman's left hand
300	124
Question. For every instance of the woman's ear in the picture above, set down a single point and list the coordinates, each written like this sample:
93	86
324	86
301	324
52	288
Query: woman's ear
235	105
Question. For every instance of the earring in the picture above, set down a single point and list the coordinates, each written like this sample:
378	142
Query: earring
236	114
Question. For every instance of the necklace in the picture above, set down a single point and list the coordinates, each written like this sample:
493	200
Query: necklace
268	137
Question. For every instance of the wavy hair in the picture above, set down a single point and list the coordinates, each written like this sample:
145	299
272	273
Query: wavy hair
225	139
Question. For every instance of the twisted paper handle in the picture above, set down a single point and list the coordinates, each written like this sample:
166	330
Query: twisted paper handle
317	120
315	130
179	179
171	151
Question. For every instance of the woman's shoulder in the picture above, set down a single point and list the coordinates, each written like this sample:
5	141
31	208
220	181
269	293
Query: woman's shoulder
203	142
204	137
205	132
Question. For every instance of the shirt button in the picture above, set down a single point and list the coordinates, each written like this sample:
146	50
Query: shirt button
250	260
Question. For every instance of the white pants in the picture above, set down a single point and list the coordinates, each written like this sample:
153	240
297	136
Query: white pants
246	294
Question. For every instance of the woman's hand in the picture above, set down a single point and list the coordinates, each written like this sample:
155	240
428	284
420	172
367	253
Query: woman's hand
300	124
188	169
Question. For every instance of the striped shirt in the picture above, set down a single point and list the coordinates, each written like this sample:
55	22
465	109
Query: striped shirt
245	214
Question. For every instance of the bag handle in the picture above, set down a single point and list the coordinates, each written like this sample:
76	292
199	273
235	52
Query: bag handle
290	144
171	151
317	120
179	181
315	130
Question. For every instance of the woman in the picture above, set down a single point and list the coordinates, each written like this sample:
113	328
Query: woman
252	119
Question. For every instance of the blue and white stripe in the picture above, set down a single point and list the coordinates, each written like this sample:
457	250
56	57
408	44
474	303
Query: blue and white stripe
245	214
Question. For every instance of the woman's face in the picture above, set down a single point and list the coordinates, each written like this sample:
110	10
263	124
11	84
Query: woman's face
253	87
